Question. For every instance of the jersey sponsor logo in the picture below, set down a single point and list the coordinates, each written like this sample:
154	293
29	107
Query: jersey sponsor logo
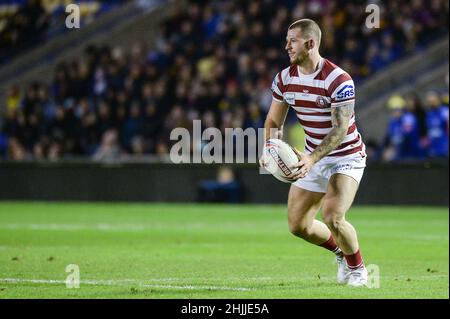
274	85
289	97
341	168
345	92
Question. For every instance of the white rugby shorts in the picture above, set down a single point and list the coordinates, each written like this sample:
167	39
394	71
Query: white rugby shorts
317	179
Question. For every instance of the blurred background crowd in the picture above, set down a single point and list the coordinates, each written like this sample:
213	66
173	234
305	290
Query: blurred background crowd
416	129
214	62
28	23
18	31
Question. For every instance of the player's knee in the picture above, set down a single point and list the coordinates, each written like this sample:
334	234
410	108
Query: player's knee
334	221
299	229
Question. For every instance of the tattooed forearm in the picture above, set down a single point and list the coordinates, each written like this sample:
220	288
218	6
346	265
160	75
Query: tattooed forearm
340	117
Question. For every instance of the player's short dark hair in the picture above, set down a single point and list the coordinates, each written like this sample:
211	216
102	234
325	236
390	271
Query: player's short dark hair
309	28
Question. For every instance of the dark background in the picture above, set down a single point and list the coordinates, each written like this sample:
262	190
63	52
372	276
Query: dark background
382	184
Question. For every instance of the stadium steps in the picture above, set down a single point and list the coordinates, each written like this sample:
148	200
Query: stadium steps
123	26
426	69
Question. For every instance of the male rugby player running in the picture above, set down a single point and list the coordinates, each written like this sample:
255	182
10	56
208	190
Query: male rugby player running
332	165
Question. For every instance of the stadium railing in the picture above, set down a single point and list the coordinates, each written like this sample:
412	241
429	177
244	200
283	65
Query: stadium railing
383	184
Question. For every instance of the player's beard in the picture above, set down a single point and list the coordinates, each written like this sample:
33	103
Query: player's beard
301	58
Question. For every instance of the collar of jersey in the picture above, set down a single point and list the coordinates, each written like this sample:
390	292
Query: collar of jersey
312	75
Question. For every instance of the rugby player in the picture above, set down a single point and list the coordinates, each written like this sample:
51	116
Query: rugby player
332	164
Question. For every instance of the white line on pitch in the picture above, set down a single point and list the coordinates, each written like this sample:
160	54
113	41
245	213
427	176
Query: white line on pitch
123	283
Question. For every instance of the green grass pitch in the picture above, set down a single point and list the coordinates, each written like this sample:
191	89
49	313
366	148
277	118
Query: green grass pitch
210	251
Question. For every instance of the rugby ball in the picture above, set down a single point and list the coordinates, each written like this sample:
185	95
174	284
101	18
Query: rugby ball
279	158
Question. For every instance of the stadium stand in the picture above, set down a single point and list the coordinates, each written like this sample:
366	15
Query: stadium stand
28	23
213	62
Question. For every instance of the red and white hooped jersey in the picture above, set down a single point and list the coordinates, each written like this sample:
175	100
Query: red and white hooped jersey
312	96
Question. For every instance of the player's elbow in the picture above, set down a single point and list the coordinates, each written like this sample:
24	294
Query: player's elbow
271	123
275	130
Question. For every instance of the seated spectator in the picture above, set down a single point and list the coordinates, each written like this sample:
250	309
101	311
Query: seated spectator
394	136
109	149
13	98
16	151
437	126
414	129
225	189
137	145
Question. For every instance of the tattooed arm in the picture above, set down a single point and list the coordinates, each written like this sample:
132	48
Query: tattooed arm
340	118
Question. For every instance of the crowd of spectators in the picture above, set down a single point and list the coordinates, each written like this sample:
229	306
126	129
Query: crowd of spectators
27	26
213	61
417	129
